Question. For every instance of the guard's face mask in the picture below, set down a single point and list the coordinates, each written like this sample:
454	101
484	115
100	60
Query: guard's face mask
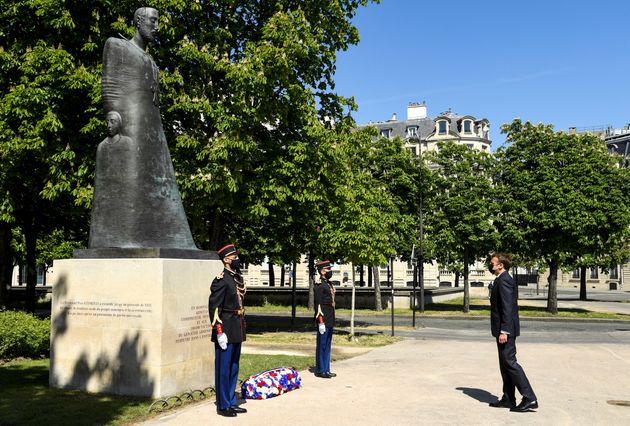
236	264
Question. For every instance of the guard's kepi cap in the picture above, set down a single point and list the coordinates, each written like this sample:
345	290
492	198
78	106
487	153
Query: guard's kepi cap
322	264
227	250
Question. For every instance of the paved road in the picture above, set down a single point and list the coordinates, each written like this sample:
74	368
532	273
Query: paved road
445	382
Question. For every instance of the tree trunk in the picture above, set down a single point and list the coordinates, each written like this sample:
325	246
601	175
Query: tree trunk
293	293
216	237
361	281
31	268
311	281
552	298
457	278
282	272
352	305
582	282
272	275
6	264
370	278
378	305
466	288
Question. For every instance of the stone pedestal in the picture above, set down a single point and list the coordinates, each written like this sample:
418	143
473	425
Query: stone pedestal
136	327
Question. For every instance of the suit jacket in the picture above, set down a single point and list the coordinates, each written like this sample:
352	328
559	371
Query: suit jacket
504	306
223	306
324	302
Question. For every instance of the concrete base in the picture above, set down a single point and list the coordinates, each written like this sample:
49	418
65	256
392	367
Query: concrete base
135	327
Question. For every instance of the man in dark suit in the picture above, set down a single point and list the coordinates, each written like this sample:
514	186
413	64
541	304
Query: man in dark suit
504	324
227	317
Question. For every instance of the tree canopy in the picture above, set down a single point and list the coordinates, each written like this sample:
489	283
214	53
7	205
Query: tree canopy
563	198
461	207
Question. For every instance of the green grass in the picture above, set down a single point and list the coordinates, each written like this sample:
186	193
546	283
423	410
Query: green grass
288	338
254	363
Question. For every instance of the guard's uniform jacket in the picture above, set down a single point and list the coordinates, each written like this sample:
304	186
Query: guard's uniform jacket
225	306
325	302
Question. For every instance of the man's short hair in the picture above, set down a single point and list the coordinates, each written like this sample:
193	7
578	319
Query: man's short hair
504	258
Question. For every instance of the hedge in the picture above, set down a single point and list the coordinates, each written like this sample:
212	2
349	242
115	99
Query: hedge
23	335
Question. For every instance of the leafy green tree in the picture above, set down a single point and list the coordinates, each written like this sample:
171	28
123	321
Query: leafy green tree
250	88
563	199
370	209
49	79
462	207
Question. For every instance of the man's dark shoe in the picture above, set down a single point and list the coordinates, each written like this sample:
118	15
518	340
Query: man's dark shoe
228	412
332	374
323	375
503	403
525	405
239	410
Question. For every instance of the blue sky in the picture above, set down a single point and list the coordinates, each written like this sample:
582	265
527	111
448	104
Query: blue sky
565	63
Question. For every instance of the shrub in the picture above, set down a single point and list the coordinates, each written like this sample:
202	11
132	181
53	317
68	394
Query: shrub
23	335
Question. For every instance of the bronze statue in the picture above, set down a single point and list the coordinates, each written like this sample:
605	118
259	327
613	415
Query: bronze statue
136	201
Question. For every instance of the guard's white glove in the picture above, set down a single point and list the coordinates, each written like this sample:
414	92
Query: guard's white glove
222	340
322	328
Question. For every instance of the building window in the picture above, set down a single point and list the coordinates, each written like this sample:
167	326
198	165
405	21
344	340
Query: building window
412	150
594	273
469	145
614	273
576	274
467	126
386	133
442	127
412	131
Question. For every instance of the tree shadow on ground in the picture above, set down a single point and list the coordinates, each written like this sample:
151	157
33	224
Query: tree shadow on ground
27	400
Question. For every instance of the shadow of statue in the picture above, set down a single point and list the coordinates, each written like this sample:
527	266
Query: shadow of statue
479	394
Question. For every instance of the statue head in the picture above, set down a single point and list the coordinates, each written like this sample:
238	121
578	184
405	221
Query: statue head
114	123
146	22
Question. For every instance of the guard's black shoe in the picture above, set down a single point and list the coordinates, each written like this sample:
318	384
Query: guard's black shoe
323	375
332	374
503	403
239	410
228	412
525	405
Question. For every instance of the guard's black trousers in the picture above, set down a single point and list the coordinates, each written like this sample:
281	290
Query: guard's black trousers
512	373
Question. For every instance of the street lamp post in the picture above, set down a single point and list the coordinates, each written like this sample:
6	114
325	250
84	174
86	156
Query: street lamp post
390	274
414	263
421	255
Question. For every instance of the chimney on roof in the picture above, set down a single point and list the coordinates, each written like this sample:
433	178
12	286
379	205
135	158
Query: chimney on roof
393	117
416	110
572	130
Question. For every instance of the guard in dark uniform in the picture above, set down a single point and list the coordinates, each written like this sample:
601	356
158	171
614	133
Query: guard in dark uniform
225	307
325	319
